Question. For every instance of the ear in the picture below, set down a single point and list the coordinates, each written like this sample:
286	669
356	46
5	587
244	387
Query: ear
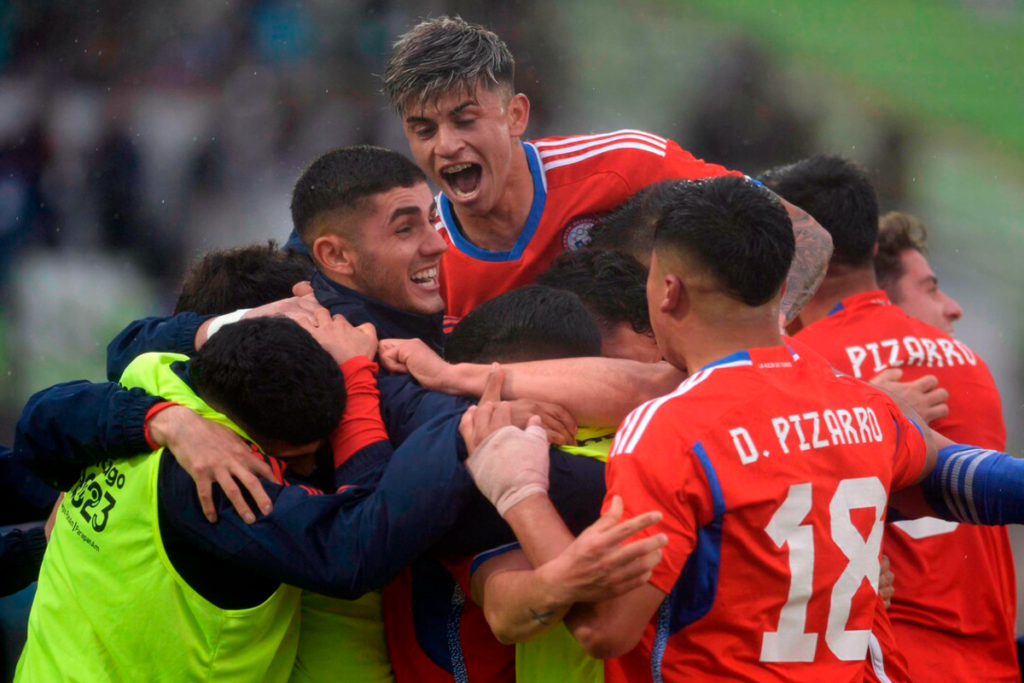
874	251
335	255
676	301
518	114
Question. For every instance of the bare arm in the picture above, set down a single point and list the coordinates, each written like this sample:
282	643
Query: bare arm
521	603
810	263
597	391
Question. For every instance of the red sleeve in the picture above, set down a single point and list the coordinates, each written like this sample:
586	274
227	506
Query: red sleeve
662	474
911	450
361	423
158	407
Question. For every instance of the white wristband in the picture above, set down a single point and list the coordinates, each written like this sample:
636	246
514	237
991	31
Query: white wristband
221	321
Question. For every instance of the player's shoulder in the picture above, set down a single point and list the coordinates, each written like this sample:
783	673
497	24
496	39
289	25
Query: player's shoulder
685	414
569	158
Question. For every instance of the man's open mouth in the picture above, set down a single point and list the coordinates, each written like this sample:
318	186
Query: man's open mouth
463	179
426	278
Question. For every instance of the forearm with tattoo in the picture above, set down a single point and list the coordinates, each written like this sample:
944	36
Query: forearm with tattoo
810	263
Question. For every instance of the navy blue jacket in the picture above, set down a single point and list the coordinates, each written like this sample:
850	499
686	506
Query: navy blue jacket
23	498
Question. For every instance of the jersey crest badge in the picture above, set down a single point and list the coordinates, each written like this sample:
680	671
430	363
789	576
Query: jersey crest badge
576	235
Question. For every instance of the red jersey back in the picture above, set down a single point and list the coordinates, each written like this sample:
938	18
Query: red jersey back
575	180
773	475
949	627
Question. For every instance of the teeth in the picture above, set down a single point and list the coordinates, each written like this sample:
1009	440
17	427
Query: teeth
425	275
456	168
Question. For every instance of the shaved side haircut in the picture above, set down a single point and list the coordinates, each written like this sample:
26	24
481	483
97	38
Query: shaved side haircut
735	229
345	180
443	54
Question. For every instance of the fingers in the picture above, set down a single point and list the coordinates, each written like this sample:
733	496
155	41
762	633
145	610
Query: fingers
610	518
492	388
887	375
206	499
231	490
632	526
255	489
369	330
303	288
323	317
925	384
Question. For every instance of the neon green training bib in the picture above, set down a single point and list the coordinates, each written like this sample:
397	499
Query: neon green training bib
111	607
556	657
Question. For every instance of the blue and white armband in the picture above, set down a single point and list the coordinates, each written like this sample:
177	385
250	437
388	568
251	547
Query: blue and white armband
976	486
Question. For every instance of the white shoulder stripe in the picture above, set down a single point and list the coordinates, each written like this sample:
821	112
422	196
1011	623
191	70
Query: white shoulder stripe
595	143
601	150
686	386
581	138
634	426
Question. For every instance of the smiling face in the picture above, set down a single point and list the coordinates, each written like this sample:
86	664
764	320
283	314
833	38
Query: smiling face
917	293
465	141
390	251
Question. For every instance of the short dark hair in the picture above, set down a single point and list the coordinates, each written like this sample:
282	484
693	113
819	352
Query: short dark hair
736	229
442	54
611	284
630	226
225	280
272	377
528	323
840	196
345	179
897	233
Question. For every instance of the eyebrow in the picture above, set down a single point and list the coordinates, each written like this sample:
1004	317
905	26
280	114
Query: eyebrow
403	211
464	105
454	112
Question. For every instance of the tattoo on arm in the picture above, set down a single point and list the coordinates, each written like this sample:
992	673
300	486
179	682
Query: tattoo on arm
813	251
543	617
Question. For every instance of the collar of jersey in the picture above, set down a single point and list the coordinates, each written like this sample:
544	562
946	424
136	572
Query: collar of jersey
874	297
743	358
540	197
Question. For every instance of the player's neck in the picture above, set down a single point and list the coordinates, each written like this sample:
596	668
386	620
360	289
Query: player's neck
707	343
499	229
840	283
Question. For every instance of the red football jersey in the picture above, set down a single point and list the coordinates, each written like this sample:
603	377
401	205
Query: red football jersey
954	611
436	633
773	474
575	180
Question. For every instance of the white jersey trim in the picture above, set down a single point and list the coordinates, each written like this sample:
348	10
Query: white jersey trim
602	150
595	143
877	660
580	138
636	423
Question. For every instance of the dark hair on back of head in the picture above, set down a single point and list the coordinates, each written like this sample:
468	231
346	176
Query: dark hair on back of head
344	179
897	233
272	377
442	54
225	280
840	196
630	226
528	323
611	284
735	229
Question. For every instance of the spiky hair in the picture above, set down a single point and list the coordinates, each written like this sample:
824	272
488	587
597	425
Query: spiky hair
442	54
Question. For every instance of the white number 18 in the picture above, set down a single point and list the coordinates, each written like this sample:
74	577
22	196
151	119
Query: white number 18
791	642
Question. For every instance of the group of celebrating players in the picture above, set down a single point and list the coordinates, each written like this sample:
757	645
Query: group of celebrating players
598	411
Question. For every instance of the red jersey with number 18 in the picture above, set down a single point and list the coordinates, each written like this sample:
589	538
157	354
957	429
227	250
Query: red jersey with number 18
575	180
773	474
